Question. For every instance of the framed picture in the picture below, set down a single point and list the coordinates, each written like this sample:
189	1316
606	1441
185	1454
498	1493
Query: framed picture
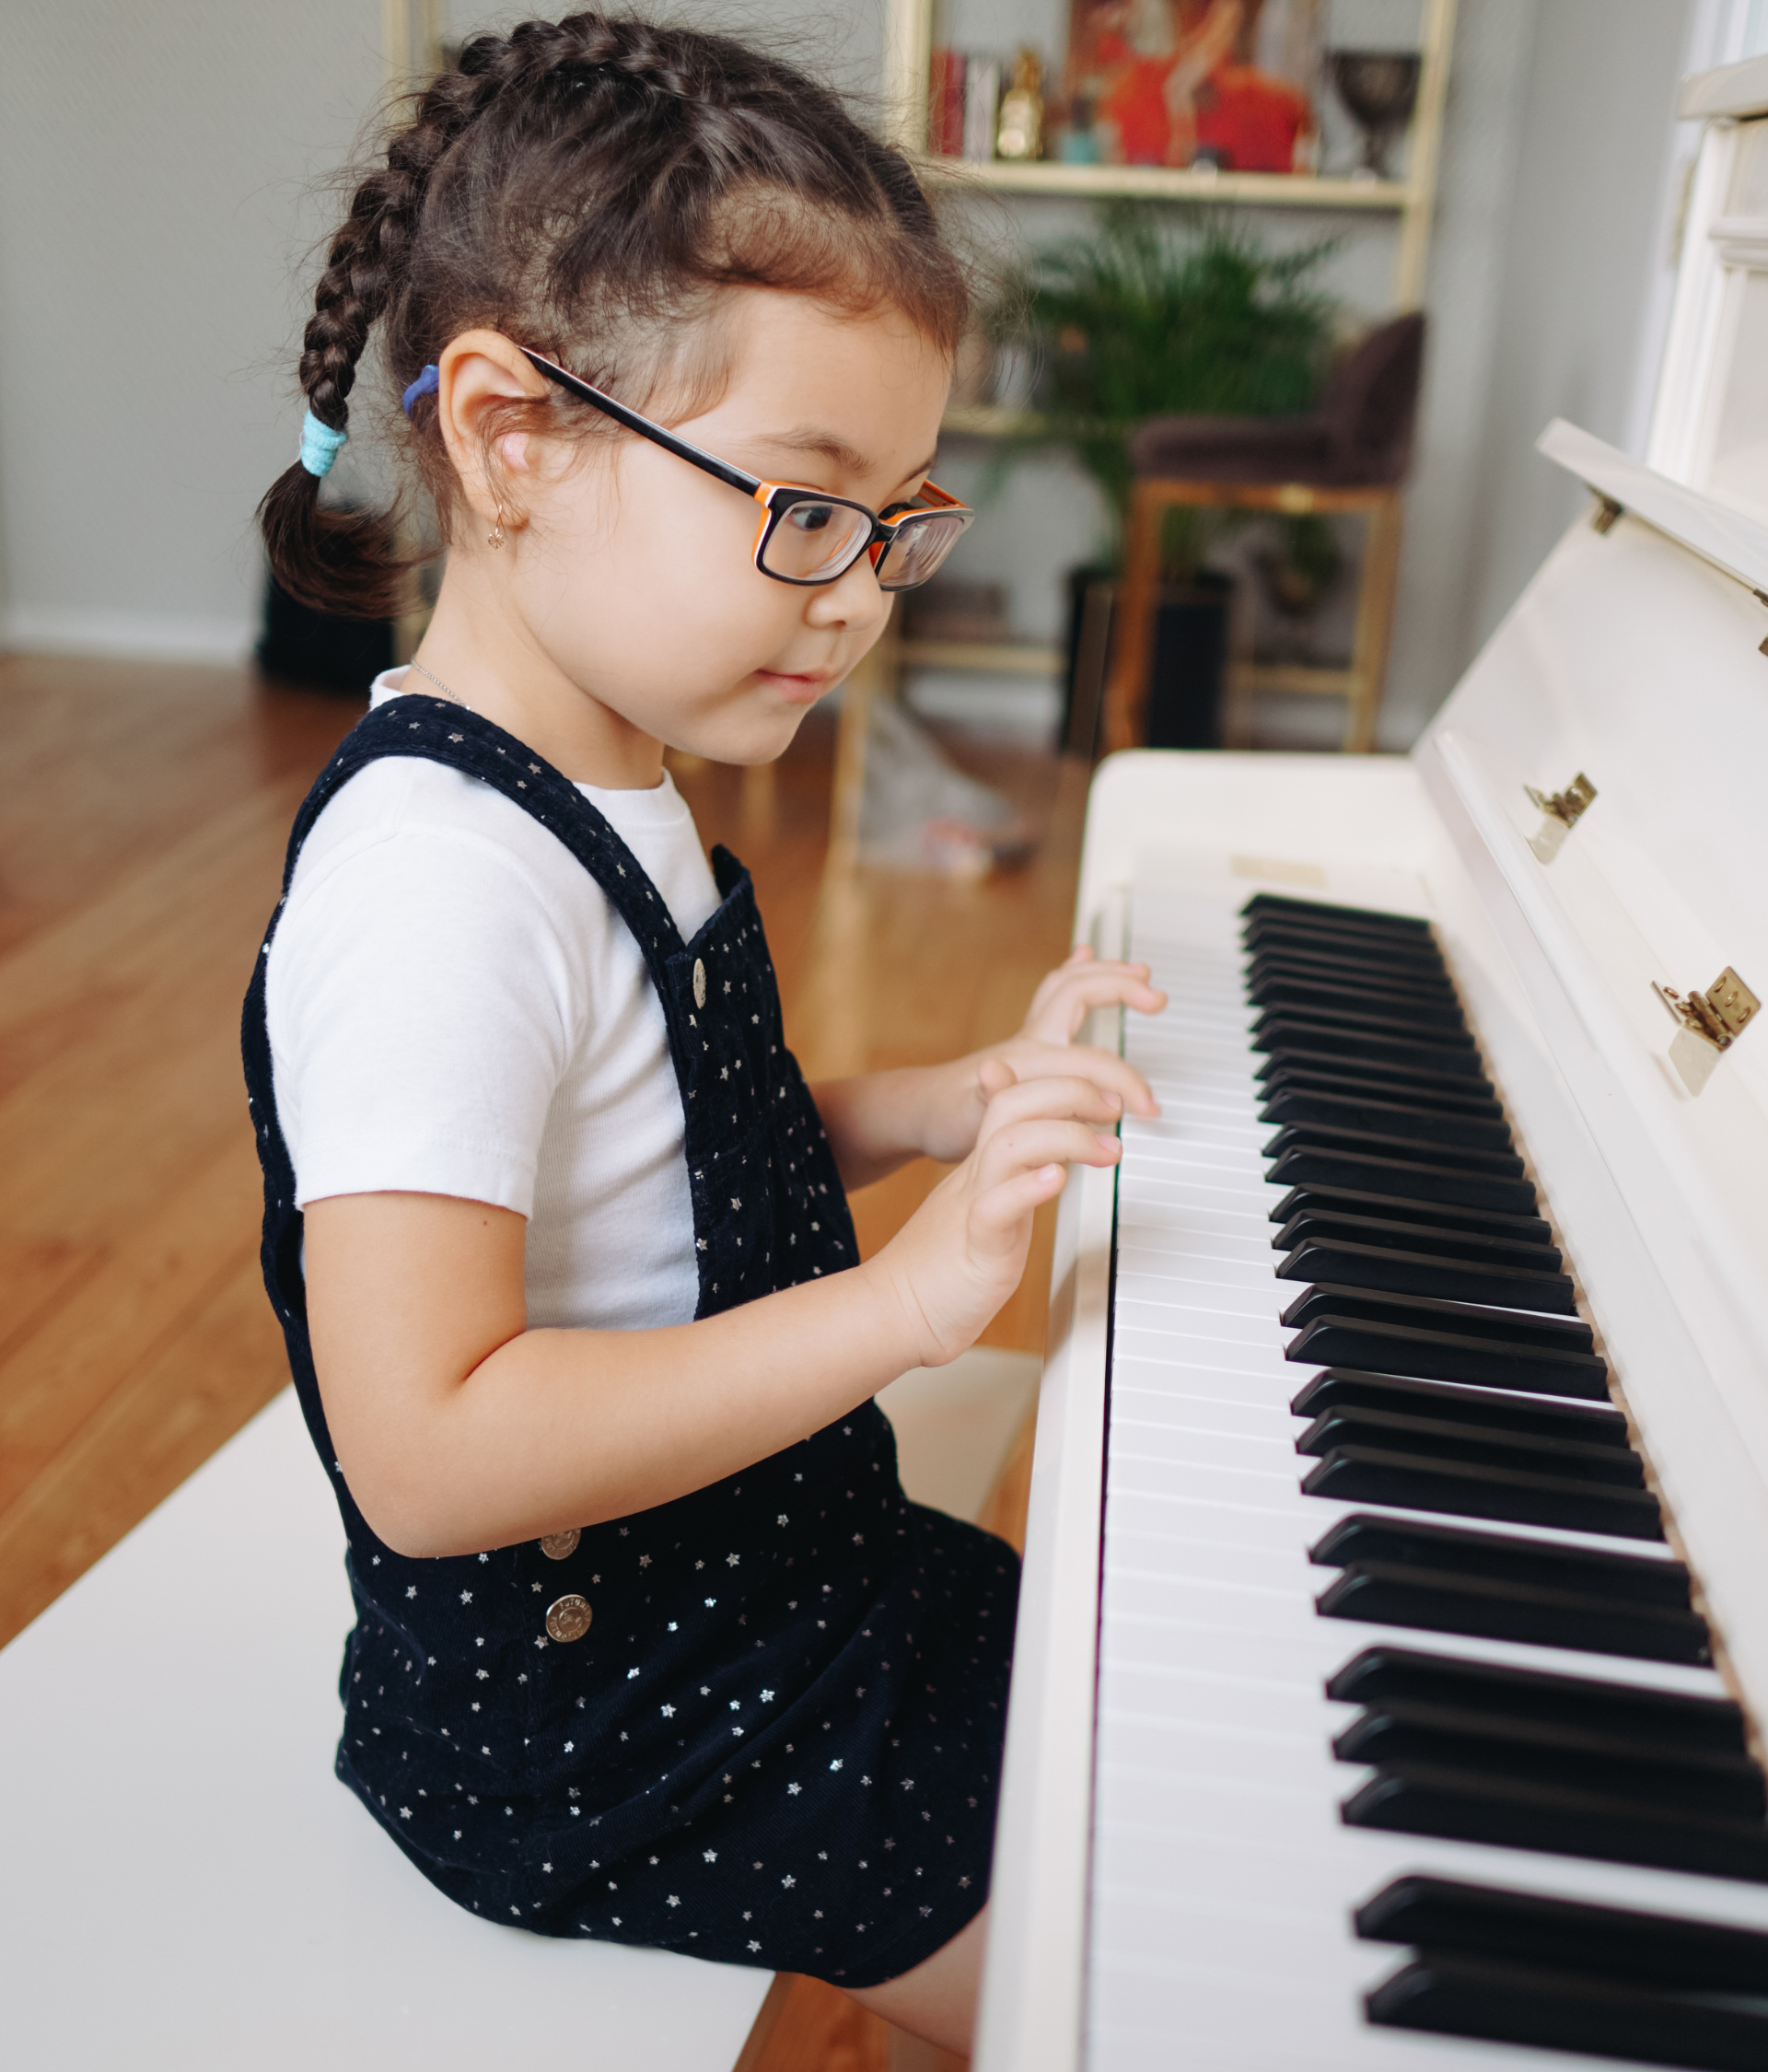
1227	83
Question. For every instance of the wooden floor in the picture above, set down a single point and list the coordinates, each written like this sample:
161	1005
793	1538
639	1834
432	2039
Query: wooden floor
143	817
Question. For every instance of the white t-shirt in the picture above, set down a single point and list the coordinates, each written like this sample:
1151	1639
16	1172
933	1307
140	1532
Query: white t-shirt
455	1008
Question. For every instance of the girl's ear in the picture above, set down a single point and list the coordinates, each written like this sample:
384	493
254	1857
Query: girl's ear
481	376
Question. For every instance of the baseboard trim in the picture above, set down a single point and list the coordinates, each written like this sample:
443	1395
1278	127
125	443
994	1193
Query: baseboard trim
60	629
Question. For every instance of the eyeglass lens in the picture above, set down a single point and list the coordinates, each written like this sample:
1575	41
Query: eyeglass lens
814	542
920	544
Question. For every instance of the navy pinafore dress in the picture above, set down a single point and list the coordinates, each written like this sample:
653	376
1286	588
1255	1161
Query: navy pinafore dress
762	1723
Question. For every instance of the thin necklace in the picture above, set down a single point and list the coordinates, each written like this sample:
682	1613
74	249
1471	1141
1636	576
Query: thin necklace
442	687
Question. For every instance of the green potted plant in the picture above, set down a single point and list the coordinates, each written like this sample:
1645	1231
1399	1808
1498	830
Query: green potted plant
1157	311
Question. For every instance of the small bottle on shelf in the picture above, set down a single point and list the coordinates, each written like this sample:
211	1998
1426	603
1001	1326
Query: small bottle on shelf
1019	132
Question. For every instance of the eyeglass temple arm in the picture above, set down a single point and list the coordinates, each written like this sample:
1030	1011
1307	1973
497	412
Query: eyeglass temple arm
682	448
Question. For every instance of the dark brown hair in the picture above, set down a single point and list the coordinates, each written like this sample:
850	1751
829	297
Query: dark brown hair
588	187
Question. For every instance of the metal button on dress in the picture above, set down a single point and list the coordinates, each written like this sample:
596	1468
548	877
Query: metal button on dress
556	1545
699	984
568	1618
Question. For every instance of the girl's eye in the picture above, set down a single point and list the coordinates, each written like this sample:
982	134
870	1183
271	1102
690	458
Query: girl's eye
811	517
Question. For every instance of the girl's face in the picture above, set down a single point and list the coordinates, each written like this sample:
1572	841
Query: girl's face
630	585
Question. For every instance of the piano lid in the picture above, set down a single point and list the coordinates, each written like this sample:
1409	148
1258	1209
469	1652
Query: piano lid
1634	660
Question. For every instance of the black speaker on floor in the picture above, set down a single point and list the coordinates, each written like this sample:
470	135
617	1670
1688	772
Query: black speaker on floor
1188	670
321	649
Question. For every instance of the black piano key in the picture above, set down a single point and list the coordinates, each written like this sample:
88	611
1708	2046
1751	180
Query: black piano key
1410	926
1446	1355
1400	1081
1303	929
1344	1388
1379	1675
1388	1117
1407	1150
1278	939
1455	1550
1288	1036
1375	1023
1283	960
1439	1313
1468	1246
1621	1468
1566	1935
1416	1481
1403	1208
1387	1594
1411	1273
1559	1820
1321	1165
1523	1747
1387	1004
1446	1994
1437	1097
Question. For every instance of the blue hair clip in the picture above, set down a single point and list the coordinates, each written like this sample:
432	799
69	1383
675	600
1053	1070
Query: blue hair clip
320	446
427	384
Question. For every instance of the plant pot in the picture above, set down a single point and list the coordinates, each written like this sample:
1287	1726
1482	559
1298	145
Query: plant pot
1187	663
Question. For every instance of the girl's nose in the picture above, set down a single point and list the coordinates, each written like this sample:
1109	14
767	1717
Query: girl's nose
853	603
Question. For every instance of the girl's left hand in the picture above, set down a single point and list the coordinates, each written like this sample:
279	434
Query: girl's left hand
1046	1048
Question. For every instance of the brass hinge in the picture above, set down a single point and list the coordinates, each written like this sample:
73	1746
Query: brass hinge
1707	1024
1607	510
1562	810
1569	805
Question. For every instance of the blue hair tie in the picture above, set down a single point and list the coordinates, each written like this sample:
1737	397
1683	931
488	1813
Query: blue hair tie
320	446
427	384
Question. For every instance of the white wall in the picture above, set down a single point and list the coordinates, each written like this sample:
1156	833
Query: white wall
1587	247
156	170
153	163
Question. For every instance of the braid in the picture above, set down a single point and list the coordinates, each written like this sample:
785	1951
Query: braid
586	185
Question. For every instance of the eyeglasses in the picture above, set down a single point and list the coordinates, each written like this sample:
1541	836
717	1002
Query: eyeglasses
806	536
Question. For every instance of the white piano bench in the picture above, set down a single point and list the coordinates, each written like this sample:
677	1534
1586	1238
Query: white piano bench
187	1887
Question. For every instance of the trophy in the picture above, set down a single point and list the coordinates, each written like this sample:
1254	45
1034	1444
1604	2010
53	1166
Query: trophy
1380	89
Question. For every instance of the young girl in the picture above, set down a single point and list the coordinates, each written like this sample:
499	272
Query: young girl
649	1645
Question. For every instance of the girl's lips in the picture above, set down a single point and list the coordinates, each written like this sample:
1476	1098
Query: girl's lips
800	690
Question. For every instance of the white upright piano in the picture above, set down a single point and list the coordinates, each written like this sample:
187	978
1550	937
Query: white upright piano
1393	1658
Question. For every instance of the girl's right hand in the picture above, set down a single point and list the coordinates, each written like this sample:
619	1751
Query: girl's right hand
963	1253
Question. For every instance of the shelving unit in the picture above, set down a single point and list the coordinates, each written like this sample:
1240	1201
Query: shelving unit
1410	201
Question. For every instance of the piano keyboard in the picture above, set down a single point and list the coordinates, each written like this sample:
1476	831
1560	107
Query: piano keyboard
1410	1748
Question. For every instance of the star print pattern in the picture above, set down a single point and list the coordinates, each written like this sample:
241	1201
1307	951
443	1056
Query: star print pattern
726	1770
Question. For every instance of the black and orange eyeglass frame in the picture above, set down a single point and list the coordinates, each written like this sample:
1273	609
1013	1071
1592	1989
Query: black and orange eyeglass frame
808	536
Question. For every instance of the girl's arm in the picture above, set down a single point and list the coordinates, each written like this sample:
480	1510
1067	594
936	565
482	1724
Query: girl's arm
459	1429
880	1120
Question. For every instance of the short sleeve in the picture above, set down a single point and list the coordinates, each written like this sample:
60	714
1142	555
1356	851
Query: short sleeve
419	1000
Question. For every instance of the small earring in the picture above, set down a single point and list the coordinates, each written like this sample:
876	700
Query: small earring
495	536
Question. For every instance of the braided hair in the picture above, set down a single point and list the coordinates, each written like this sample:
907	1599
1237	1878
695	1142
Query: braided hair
588	187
